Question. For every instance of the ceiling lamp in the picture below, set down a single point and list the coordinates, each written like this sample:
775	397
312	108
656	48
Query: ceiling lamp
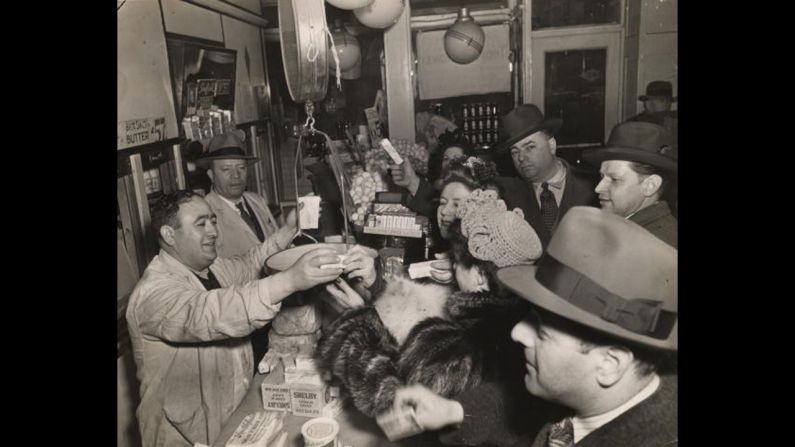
463	42
348	50
380	13
349	4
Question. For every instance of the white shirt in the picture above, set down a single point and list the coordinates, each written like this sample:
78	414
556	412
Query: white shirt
584	426
232	204
556	185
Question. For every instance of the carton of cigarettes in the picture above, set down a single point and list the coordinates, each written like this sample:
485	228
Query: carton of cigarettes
393	153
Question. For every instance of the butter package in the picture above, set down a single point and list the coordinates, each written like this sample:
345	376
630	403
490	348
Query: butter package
256	430
308	400
399	424
276	397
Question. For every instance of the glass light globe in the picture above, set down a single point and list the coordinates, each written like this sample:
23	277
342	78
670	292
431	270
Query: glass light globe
349	4
463	42
380	13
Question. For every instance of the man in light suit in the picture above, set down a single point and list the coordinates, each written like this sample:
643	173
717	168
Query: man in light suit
244	219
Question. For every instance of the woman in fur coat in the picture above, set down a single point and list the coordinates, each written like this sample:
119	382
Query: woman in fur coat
429	334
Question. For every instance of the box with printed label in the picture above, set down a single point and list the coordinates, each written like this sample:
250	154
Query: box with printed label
276	397
307	400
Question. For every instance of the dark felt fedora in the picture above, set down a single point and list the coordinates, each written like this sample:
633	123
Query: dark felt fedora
640	142
522	121
607	273
226	146
660	89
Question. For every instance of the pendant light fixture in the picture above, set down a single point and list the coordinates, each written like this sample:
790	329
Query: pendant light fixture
463	42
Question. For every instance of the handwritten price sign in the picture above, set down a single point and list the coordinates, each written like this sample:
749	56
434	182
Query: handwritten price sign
140	131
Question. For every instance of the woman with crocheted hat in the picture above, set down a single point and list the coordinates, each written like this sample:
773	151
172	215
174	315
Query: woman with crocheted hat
462	341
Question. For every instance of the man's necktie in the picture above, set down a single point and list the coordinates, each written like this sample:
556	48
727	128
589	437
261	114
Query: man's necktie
250	221
209	283
561	434
549	207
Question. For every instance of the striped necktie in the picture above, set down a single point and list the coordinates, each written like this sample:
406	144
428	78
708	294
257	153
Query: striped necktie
561	434
549	207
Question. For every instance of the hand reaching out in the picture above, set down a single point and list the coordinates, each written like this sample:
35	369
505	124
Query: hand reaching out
431	410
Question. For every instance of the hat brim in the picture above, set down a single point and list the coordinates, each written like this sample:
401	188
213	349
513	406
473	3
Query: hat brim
552	125
597	156
521	280
206	162
644	97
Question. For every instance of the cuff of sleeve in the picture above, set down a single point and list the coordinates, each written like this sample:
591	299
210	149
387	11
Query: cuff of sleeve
273	289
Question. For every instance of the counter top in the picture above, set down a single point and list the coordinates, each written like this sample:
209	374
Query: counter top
356	429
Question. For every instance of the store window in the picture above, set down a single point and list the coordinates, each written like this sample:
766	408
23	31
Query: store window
560	13
574	91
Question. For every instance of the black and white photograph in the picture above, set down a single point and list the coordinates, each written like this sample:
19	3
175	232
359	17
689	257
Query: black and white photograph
361	223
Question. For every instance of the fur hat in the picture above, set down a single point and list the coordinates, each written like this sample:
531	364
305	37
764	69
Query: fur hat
495	234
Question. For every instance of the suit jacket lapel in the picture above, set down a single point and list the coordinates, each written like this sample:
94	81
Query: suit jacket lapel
231	217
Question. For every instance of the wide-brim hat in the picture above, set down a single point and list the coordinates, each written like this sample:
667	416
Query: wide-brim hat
607	273
658	89
522	121
640	142
226	146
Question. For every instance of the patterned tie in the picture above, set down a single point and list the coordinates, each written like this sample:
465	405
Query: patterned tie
549	207
250	221
561	434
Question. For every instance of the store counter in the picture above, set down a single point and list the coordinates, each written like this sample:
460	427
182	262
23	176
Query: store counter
356	429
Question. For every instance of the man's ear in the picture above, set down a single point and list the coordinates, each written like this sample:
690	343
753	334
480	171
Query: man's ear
614	362
651	185
211	175
167	234
553	145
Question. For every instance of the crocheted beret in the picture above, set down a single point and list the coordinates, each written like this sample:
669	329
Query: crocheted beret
495	234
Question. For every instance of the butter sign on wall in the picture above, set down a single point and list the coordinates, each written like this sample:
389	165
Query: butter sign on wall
141	131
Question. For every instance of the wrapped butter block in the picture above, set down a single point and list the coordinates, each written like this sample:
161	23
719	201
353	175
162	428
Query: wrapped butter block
256	430
275	397
308	400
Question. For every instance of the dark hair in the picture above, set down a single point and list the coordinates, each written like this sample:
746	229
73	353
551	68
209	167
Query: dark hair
447	140
164	212
648	360
480	175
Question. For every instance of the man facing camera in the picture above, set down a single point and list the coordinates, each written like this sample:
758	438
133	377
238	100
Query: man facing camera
549	187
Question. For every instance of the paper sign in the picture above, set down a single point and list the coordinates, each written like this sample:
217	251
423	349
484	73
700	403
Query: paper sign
310	213
140	131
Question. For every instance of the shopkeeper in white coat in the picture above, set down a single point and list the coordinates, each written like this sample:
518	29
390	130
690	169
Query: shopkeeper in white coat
244	219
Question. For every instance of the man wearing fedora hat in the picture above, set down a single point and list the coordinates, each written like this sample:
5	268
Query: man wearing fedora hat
657	104
598	341
244	219
604	321
549	187
638	164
